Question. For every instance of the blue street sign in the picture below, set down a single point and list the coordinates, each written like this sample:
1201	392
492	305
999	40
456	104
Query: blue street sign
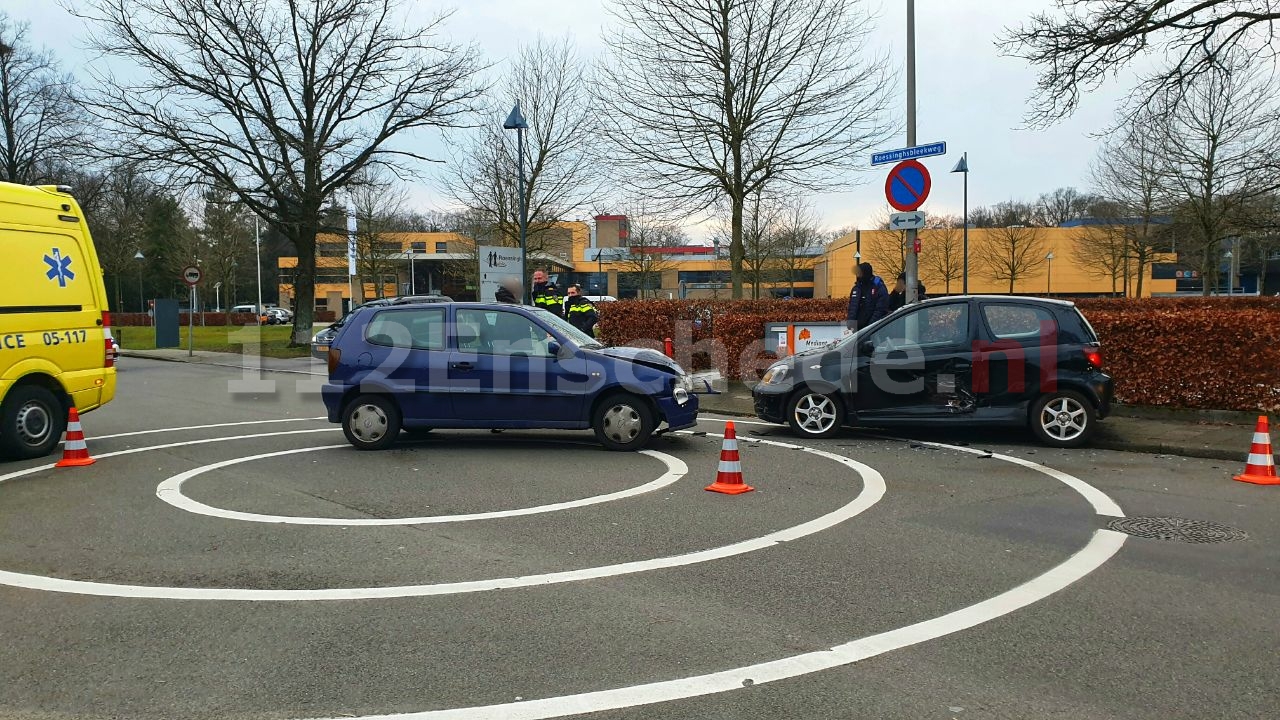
911	153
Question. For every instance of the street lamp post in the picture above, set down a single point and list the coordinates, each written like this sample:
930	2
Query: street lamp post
963	167
142	305
217	296
1048	283
413	285
257	255
515	121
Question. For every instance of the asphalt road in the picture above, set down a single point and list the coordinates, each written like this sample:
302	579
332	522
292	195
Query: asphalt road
284	575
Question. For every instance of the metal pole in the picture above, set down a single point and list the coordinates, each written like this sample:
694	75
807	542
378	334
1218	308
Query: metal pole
191	324
913	260
524	220
966	223
257	254
413	283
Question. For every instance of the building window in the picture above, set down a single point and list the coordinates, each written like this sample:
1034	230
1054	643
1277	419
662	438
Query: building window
690	277
442	247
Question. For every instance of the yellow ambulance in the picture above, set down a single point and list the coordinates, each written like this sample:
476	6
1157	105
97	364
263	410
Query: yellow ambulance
55	331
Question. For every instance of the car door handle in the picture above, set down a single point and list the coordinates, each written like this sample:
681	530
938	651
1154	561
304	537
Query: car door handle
462	366
963	366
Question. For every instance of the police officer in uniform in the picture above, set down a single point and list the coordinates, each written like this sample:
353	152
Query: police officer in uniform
545	294
579	311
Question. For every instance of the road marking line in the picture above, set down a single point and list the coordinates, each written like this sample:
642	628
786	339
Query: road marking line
873	489
170	491
1101	547
206	427
1102	504
131	451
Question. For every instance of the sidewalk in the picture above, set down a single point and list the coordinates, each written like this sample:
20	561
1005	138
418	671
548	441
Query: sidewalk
1217	435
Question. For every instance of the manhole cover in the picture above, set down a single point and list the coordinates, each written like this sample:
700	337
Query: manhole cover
1177	529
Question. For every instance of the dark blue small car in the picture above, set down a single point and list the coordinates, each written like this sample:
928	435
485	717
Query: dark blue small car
490	365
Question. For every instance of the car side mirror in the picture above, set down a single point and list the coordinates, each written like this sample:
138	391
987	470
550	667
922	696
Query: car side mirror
553	349
866	348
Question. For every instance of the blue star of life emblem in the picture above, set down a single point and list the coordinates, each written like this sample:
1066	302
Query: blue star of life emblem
59	268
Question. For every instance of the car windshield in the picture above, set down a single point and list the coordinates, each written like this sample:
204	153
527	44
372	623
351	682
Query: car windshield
562	326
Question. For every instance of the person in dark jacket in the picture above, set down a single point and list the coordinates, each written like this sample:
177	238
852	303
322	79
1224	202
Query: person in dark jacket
868	299
506	293
546	295
898	297
579	311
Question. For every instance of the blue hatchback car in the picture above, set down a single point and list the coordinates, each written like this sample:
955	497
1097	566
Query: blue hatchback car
492	365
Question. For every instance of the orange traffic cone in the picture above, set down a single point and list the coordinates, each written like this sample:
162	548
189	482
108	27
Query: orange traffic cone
1260	469
729	476
74	451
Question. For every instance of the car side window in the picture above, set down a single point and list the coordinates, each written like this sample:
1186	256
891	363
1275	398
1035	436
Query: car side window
930	326
1023	324
418	329
496	332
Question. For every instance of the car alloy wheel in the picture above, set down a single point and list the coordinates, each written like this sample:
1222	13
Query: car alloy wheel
1063	419
813	414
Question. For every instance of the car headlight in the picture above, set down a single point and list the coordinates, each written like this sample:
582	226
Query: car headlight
775	375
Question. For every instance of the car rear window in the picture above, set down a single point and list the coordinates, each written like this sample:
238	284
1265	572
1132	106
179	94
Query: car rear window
1020	323
418	328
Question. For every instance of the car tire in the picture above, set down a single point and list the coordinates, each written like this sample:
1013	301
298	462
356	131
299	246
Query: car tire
815	415
371	422
623	422
1063	419
34	420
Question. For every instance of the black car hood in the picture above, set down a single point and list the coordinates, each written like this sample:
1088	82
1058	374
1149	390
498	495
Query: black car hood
643	356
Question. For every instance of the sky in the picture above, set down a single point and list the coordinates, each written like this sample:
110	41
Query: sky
968	95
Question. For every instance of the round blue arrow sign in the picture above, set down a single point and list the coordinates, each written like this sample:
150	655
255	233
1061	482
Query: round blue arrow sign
907	186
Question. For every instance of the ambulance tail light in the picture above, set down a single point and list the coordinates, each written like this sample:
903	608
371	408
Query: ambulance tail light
109	344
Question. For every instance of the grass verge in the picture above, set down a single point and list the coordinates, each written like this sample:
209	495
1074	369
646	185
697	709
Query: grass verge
267	341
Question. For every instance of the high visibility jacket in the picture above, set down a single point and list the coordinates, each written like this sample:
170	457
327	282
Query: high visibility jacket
546	297
580	313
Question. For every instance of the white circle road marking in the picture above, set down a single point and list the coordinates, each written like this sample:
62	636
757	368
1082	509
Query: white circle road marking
184	443
1101	547
873	489
207	427
170	491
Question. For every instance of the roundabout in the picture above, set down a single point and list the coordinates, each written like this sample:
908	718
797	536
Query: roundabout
855	486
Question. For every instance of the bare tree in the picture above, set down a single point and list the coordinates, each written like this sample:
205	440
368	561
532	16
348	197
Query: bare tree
1010	254
1216	141
1054	208
1005	214
1128	171
120	222
1103	251
711	102
942	251
282	103
648	233
885	250
561	174
377	200
761	248
1081	43
799	238
39	116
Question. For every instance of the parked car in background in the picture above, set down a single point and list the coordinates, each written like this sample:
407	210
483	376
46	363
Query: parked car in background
964	361
422	366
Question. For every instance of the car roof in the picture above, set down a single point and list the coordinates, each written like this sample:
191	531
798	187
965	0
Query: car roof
1002	298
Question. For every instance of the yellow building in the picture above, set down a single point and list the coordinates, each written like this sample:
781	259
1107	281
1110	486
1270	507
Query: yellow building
603	259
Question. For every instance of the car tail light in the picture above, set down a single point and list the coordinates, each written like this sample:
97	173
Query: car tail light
1093	354
335	356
